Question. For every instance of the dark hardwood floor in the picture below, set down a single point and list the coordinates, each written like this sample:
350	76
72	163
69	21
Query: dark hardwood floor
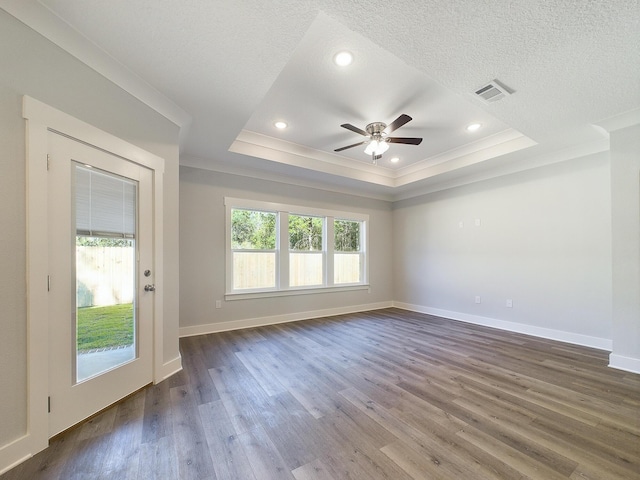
387	394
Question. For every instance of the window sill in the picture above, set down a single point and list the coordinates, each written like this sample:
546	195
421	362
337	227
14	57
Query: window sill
293	291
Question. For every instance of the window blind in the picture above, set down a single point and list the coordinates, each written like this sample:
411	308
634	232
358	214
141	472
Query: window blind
105	204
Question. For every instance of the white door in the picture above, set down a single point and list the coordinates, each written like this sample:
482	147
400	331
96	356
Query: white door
101	280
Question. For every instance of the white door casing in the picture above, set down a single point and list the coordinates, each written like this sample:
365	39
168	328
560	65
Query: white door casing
40	120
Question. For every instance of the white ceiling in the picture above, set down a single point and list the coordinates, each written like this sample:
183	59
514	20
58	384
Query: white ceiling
226	70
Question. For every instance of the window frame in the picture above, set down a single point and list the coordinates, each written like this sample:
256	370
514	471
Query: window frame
275	250
282	287
361	252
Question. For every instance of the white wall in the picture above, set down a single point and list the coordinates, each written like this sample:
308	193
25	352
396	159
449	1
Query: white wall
625	189
543	241
202	250
33	66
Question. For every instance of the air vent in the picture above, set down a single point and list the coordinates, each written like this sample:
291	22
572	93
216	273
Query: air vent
493	91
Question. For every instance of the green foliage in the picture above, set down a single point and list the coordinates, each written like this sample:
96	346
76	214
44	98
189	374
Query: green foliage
83	241
105	327
347	236
305	233
251	229
256	230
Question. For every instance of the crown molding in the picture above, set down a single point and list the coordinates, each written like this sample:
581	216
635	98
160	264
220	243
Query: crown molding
191	161
46	23
620	121
535	159
270	148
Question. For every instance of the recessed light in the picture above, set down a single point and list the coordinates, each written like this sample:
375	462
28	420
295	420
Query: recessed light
342	59
473	127
280	125
394	160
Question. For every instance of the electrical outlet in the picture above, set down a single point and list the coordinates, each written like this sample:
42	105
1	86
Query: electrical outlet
218	303
478	299
478	222
461	224
509	303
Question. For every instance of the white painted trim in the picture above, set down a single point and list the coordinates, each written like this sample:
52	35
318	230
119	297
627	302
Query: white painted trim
627	364
14	453
304	157
282	251
549	333
37	271
267	142
528	162
620	121
275	319
287	292
169	368
158	262
247	203
213	165
460	158
43	114
262	146
493	143
52	27
527	159
39	119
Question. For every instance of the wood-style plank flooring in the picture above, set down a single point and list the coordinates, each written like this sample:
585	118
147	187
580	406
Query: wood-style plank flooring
387	394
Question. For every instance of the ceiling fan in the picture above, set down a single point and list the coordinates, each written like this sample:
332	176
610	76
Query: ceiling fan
378	141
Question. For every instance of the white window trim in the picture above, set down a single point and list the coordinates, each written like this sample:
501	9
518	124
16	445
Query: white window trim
282	258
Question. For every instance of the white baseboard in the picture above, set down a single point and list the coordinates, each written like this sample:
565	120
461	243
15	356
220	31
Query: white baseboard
14	453
628	364
549	333
275	319
21	449
169	368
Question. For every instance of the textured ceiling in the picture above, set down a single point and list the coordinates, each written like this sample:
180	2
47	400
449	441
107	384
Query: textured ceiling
226	69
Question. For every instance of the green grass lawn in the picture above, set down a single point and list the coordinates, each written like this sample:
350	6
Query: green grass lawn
105	327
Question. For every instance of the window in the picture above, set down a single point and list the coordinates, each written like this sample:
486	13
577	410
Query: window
348	256
275	249
306	255
253	246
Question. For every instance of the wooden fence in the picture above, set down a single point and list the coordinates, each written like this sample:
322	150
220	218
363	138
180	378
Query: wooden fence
257	270
104	275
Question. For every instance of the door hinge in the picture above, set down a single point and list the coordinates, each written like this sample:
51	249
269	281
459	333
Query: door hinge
48	160
48	404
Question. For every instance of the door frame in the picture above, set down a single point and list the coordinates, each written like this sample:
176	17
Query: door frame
40	119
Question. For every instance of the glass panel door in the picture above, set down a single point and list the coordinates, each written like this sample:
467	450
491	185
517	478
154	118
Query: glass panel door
105	261
101	279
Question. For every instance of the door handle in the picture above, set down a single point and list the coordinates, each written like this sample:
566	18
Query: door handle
150	287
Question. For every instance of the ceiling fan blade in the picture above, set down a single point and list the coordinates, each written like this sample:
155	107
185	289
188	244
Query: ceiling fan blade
397	123
407	140
348	126
349	146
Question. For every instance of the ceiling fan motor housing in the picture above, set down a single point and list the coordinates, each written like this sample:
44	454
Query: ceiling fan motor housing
376	128
376	134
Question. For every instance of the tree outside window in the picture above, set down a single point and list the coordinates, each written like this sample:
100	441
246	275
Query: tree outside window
253	245
347	265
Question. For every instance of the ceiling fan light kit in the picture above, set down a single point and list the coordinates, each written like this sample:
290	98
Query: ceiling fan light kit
378	141
376	147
